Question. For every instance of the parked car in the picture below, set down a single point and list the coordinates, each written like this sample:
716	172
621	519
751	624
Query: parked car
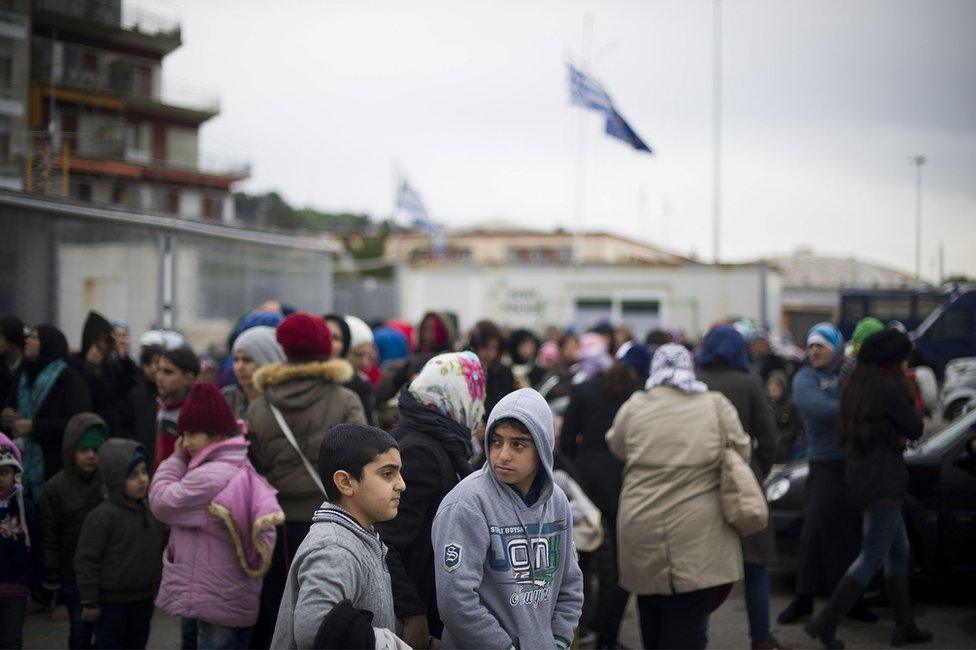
959	387
940	509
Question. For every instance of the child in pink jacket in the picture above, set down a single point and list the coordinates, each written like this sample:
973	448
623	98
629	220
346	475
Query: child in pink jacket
223	517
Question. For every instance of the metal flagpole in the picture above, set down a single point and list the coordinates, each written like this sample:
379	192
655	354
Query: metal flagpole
579	213
716	129
918	160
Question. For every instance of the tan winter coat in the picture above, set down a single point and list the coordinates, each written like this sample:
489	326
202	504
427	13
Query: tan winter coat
671	533
312	400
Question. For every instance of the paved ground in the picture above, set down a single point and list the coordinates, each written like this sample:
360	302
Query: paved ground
950	614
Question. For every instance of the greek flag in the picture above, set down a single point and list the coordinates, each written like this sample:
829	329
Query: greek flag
409	201
587	92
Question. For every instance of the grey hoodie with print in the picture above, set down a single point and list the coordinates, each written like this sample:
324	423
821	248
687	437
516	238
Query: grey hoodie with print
337	560
507	573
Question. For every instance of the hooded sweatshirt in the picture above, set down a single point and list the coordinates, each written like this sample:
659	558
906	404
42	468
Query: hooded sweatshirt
507	573
68	498
338	560
119	557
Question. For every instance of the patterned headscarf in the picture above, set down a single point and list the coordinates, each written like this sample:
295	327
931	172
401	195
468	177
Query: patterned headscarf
672	366
453	384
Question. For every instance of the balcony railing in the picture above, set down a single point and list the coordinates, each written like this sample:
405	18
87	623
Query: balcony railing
93	69
129	15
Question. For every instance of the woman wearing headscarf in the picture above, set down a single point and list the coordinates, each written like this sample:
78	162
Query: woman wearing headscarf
435	333
522	349
438	411
593	357
351	338
724	367
831	534
675	546
47	393
254	348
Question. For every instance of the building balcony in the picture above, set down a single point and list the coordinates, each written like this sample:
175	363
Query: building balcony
126	23
135	80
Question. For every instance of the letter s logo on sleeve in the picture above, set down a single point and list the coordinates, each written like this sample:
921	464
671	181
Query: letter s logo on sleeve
452	556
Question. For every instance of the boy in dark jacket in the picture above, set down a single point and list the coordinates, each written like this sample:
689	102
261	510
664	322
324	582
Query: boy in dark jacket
118	562
18	554
68	498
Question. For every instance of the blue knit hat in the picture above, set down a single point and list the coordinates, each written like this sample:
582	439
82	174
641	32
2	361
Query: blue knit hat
827	335
638	357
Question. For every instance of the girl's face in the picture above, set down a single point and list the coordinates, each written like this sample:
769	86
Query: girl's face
32	346
244	367
194	443
335	333
6	478
773	390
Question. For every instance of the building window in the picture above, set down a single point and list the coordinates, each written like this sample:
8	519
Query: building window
4	138
84	191
172	202
6	63
211	207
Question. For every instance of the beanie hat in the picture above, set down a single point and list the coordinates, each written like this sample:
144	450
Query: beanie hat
259	343
885	348
304	337
138	457
865	328
391	344
205	411
359	332
10	455
827	335
92	438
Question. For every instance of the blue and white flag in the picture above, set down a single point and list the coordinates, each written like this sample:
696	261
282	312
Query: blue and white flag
587	92
409	201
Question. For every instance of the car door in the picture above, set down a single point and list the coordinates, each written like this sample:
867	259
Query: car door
957	508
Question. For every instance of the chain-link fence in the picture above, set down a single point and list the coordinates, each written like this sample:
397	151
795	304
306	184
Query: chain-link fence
60	259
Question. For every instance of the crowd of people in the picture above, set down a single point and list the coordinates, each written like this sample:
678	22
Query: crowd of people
333	483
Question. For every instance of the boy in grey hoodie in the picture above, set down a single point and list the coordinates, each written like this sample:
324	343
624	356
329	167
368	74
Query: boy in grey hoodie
342	557
506	568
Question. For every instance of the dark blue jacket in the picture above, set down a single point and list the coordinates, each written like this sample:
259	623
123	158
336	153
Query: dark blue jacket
816	393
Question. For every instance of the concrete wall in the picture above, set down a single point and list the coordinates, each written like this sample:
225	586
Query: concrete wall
690	297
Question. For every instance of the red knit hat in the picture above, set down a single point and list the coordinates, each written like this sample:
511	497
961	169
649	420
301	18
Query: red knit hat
206	411
304	337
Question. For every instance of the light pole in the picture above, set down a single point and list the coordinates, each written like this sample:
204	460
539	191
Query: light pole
918	160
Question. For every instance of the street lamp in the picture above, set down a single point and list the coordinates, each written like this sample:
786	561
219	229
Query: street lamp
918	160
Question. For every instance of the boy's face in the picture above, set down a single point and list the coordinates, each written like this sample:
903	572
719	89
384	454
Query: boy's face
86	460
376	494
170	380
137	483
6	478
194	443
513	457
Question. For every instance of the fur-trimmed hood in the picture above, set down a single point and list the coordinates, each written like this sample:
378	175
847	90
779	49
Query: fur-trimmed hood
296	386
334	371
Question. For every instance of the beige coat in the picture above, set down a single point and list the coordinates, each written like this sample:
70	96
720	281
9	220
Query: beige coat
312	400
671	532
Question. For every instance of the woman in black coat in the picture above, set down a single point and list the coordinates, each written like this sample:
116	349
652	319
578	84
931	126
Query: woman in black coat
47	392
877	417
589	415
437	412
724	367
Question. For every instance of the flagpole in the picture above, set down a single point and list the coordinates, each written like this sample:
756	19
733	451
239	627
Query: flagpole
716	129
579	212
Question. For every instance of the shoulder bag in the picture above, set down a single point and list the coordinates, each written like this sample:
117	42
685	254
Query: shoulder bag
743	503
285	429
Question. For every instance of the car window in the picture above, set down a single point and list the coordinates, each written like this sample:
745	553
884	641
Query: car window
948	436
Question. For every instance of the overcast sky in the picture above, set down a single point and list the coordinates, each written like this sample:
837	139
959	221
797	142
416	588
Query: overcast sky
824	101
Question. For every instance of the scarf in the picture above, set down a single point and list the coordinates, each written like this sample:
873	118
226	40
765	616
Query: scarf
449	434
453	384
30	397
725	344
672	366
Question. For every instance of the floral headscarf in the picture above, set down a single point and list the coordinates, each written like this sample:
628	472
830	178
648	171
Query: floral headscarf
453	384
672	366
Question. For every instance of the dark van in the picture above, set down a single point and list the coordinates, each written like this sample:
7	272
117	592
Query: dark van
948	333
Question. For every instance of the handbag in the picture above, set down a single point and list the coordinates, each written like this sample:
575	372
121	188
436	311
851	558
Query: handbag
285	429
588	533
743	502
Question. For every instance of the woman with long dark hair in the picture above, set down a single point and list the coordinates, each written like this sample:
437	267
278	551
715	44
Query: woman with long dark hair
876	419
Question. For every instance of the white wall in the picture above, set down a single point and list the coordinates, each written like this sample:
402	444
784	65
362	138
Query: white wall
191	203
691	297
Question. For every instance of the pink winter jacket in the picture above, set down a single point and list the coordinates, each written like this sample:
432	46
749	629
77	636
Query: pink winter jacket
223	517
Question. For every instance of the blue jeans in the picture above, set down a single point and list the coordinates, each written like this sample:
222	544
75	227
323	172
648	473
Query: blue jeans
80	633
885	542
124	625
757	601
210	636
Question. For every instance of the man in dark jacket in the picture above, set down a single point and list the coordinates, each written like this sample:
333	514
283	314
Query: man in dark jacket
93	361
435	449
68	498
